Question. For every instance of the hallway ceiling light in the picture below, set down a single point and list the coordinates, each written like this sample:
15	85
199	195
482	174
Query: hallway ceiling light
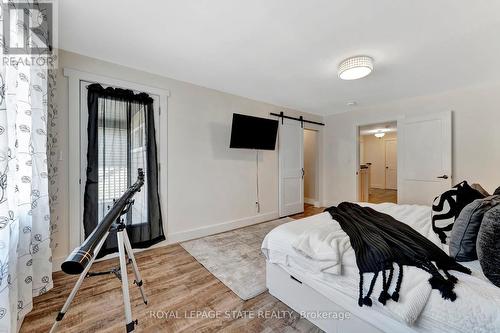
355	67
380	134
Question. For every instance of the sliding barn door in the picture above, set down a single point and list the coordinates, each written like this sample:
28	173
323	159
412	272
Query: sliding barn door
425	157
291	167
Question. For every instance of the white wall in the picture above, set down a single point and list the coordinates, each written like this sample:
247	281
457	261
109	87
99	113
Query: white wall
374	153
476	137
310	166
211	188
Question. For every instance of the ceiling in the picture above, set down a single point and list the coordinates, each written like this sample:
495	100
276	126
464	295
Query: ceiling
286	52
387	127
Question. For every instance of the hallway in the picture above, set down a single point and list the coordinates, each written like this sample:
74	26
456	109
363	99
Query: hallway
377	195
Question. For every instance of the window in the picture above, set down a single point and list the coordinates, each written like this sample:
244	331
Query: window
121	138
78	83
121	151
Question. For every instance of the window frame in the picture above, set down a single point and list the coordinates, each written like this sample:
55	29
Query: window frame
78	118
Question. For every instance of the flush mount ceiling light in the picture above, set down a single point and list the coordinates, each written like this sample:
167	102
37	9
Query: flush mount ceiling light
380	134
355	67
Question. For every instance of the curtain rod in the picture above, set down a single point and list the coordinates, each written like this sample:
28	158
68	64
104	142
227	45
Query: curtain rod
301	119
113	86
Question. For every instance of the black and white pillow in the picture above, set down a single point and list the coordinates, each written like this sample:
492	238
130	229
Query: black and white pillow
447	207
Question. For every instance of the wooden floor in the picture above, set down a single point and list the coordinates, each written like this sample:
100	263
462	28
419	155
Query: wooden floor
176	285
308	211
377	195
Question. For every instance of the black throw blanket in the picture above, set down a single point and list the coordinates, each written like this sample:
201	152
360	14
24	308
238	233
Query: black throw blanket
380	241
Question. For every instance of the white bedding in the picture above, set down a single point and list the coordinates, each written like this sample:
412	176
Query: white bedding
320	250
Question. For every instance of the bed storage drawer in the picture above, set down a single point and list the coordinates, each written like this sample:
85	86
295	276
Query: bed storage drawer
302	298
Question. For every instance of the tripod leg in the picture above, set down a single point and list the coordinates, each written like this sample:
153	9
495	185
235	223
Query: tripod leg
72	295
123	269
138	279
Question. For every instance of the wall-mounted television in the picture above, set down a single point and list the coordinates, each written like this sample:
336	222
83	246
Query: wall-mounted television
253	132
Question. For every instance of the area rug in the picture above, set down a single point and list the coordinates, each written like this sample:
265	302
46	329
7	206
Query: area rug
235	258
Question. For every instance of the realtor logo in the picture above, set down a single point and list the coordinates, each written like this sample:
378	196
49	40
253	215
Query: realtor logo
27	28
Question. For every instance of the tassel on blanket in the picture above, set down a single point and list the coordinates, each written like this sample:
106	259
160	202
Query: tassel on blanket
380	241
437	281
444	286
366	300
384	295
360	299
395	294
452	278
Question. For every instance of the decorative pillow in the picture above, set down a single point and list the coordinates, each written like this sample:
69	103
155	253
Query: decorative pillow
466	227
488	245
480	189
497	191
447	207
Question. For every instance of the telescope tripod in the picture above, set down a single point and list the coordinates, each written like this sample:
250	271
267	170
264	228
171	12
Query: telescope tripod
124	247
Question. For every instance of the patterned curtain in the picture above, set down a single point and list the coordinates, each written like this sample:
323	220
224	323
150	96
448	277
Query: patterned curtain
25	254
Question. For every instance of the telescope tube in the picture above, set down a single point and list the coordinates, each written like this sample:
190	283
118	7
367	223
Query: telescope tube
81	256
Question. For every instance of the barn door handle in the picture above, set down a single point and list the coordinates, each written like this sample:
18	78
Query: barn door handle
443	177
303	173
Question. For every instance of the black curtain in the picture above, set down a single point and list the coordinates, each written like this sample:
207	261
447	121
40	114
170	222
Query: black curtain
121	138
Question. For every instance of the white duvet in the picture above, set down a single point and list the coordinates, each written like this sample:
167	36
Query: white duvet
320	247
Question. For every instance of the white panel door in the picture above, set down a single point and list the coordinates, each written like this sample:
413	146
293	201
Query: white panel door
291	167
391	164
425	157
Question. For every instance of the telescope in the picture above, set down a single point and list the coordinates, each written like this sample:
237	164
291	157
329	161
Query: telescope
82	258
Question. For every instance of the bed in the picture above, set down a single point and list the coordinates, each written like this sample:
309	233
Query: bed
312	269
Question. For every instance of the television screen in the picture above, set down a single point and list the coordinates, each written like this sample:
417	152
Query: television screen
253	132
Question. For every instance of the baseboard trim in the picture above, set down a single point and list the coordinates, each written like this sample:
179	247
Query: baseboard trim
311	201
330	203
190	234
221	227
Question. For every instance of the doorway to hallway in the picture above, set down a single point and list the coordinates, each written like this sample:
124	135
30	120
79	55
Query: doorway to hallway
377	171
